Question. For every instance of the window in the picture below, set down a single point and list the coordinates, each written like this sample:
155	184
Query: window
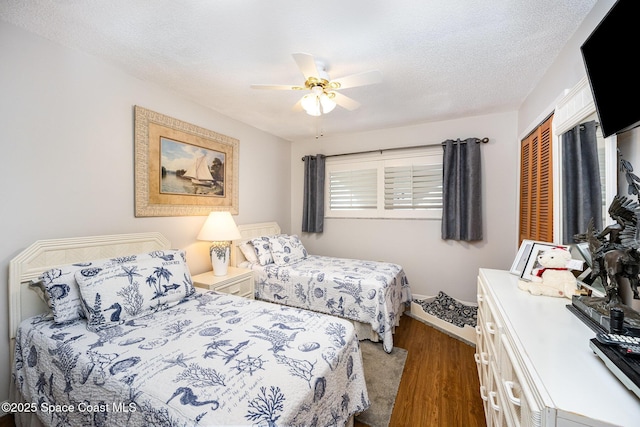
386	185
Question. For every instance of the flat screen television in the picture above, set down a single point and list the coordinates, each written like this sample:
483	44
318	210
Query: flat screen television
609	55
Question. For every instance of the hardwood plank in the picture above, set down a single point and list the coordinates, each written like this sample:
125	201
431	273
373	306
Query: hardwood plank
7	421
440	384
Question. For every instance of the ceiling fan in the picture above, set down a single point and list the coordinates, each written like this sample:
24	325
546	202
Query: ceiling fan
324	96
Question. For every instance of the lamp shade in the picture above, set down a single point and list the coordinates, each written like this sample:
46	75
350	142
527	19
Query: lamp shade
317	103
219	226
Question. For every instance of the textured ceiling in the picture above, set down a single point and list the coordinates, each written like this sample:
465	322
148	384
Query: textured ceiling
440	59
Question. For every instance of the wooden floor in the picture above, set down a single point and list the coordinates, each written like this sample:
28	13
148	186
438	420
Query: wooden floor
439	385
7	421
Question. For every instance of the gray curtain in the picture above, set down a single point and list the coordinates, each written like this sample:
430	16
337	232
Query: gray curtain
461	190
313	200
581	189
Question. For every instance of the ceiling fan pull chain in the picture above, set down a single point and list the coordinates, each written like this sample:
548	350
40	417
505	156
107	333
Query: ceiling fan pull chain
319	130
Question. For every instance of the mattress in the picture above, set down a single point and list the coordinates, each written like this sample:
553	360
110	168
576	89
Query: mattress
375	293
217	359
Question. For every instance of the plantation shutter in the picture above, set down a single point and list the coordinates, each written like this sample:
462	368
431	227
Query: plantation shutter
536	185
353	189
413	187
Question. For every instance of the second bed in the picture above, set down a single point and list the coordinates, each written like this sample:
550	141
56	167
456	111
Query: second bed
370	293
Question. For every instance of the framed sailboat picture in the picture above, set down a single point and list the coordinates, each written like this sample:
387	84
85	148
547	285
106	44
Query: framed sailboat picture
182	169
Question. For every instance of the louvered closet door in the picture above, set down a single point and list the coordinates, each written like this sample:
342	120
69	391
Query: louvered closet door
536	185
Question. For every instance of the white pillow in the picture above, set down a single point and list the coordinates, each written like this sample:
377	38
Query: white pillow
249	252
287	249
121	292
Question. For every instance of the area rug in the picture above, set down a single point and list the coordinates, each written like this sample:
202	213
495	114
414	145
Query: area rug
382	373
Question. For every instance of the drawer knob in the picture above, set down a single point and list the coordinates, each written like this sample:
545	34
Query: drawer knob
491	328
492	400
483	393
484	357
509	387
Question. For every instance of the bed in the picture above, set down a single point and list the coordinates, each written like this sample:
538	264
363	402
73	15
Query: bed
191	358
373	295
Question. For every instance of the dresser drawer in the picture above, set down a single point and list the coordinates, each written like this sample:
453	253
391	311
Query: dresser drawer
520	402
490	322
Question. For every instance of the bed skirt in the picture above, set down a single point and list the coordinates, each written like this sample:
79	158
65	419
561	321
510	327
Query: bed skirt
22	419
364	331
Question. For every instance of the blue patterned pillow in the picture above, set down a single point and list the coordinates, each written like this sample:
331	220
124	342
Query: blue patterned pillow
62	289
117	293
287	249
262	246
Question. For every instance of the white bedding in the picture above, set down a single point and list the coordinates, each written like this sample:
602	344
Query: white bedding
214	360
374	293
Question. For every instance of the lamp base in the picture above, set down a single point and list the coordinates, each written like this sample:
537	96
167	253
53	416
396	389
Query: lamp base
220	253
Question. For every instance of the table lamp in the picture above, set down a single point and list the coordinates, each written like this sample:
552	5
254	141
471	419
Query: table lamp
219	229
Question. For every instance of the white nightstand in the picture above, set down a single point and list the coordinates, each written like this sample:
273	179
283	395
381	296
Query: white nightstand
238	281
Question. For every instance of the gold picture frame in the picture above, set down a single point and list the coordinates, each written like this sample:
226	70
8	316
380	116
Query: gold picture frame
172	158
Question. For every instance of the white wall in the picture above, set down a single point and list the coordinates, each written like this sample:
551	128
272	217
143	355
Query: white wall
565	73
431	264
66	165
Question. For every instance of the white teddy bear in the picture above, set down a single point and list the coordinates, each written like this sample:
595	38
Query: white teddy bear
553	278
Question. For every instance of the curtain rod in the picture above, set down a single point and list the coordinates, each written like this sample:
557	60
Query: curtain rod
478	140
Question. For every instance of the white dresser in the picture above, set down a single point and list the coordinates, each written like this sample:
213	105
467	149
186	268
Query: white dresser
535	365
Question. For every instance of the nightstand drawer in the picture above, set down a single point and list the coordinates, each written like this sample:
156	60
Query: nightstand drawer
242	288
238	281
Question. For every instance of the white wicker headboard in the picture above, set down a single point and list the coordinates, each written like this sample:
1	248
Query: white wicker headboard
46	254
248	232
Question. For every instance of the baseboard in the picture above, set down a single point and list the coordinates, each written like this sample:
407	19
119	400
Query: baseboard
466	334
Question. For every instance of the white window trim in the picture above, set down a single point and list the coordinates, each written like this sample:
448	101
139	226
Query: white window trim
427	155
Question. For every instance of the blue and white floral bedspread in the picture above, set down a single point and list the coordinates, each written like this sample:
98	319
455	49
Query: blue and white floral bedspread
214	360
370	292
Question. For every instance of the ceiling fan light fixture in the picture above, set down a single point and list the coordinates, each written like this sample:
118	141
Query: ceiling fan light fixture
324	95
311	104
316	105
327	103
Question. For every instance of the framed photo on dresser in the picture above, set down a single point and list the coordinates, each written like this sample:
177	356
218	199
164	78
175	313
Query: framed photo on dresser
520	262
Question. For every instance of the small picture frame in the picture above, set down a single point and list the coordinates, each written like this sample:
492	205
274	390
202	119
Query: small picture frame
593	283
520	262
532	262
585	253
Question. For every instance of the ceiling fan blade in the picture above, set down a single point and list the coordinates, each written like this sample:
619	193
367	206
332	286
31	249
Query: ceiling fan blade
278	87
298	106
307	65
355	80
345	101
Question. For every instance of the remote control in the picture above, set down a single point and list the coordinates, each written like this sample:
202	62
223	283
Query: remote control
632	350
616	339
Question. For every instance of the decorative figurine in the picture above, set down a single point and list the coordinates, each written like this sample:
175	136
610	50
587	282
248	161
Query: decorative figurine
615	254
